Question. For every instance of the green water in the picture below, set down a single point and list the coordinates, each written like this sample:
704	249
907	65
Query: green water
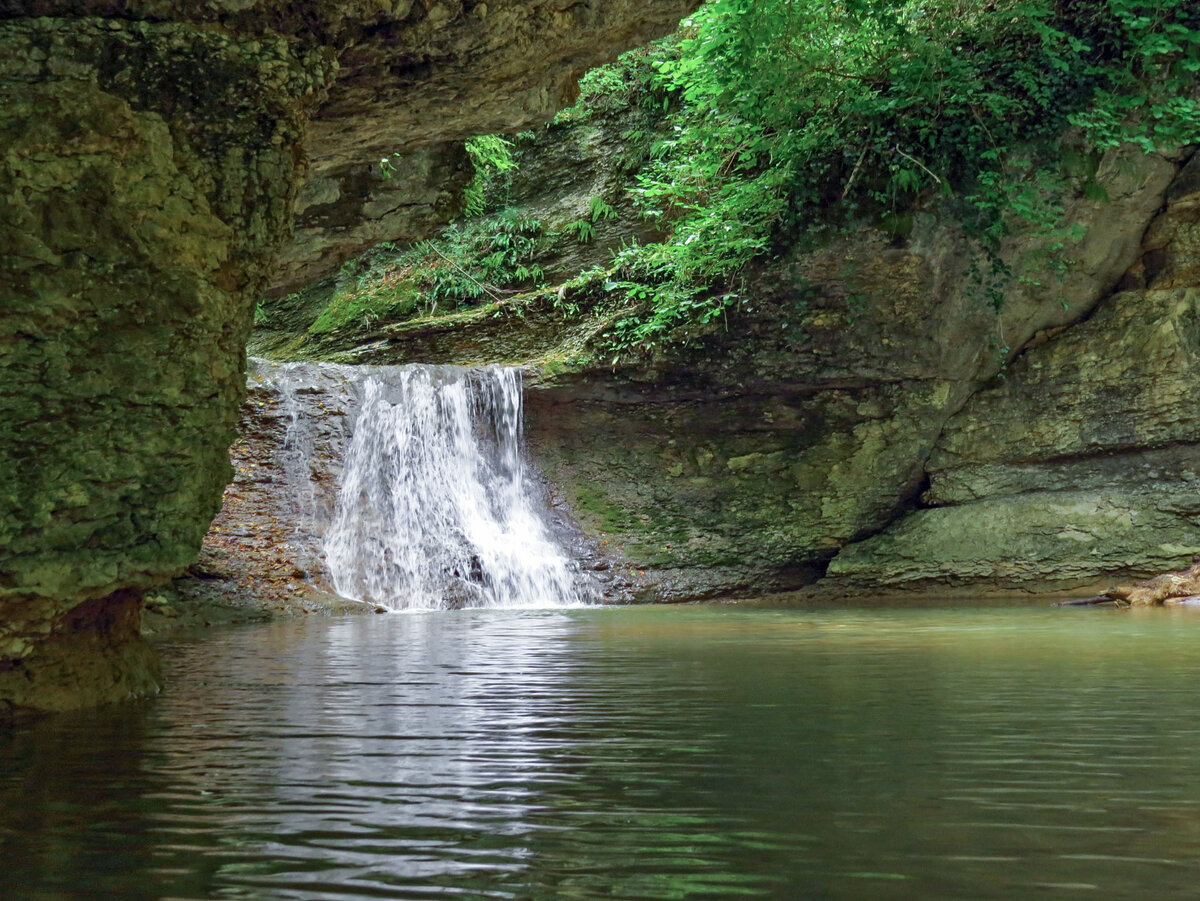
635	753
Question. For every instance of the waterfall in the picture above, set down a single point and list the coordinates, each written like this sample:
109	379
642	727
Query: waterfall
297	454
434	506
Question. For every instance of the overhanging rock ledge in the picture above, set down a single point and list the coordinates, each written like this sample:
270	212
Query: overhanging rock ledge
152	154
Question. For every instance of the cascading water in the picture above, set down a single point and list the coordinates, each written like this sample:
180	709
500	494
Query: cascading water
297	453
434	507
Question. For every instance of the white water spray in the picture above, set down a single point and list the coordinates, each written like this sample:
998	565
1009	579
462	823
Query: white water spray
434	507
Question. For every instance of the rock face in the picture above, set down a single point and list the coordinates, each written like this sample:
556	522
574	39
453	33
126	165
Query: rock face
749	463
1084	461
151	155
264	549
754	462
1054	443
144	182
341	212
864	417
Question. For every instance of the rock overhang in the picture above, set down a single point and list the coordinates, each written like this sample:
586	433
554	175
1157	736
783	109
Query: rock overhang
145	220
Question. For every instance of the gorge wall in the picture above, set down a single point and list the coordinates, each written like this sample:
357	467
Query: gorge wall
152	154
883	429
863	419
1084	461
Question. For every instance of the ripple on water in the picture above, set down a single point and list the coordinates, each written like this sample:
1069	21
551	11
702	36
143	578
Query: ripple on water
630	753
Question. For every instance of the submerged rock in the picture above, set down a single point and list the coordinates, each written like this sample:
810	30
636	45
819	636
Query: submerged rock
1169	589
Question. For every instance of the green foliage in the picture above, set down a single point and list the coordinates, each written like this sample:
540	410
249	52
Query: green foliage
367	298
764	122
492	157
633	81
795	116
481	261
600	209
387	166
582	229
476	261
1149	96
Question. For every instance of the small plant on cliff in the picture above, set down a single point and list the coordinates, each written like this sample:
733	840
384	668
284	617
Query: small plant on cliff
492	157
470	262
583	230
387	166
485	259
619	86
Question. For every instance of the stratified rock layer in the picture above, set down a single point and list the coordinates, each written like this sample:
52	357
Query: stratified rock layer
150	164
805	424
1084	461
852	375
789	433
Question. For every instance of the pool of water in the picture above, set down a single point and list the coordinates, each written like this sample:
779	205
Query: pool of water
632	753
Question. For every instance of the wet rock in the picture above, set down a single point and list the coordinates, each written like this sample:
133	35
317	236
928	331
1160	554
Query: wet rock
91	654
1169	590
1082	463
138	213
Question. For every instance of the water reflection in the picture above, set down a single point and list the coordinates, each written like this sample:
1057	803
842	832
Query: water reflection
631	754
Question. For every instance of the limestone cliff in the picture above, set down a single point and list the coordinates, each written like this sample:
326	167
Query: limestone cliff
1084	460
862	410
151	158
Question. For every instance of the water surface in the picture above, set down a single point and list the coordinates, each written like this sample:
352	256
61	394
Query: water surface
636	753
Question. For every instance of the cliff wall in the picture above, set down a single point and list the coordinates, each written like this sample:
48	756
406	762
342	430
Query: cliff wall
863	419
151	158
1083	461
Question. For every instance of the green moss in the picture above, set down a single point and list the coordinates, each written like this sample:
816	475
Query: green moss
385	298
129	140
562	364
605	515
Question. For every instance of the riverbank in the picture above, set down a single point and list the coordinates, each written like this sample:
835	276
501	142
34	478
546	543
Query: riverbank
227	591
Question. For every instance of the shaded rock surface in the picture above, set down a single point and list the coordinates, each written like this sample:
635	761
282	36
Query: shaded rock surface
91	654
749	463
264	543
1085	460
151	155
340	212
147	172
